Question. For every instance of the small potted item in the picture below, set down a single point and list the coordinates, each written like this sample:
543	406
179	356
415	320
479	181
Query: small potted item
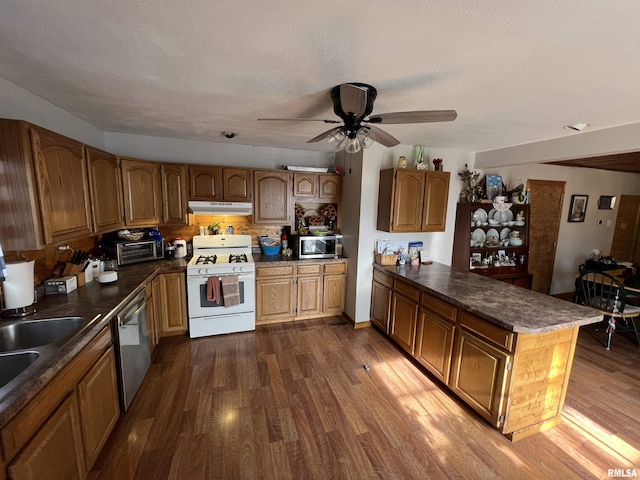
214	227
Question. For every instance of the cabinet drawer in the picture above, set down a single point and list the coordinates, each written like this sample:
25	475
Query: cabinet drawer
502	338
444	309
407	290
309	269
275	271
382	278
339	267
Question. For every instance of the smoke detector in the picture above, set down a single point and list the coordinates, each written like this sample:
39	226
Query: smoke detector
578	127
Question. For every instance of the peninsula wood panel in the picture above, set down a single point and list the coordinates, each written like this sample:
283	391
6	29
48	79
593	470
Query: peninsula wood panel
105	182
63	186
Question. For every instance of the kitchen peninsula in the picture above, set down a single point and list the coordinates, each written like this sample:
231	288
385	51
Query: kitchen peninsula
504	350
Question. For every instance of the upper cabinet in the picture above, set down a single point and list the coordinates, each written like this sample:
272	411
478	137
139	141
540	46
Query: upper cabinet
105	182
141	185
412	200
309	186
237	185
206	183
173	177
46	192
272	199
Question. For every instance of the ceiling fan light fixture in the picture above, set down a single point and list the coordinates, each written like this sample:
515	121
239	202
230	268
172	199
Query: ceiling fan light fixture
366	137
578	127
336	140
353	145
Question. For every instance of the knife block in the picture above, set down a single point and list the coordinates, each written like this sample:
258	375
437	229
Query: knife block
76	270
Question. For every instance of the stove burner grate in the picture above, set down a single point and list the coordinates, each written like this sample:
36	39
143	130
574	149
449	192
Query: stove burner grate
241	258
206	259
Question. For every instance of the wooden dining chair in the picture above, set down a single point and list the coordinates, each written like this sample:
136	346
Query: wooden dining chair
606	294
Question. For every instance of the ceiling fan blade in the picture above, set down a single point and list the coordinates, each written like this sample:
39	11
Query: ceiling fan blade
324	135
299	120
383	137
353	99
425	116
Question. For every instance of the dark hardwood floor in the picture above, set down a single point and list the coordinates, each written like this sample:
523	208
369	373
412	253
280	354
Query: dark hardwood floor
294	401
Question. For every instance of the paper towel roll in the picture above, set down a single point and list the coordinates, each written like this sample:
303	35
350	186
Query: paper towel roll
18	287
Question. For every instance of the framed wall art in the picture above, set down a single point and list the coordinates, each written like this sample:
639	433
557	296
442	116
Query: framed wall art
578	208
494	186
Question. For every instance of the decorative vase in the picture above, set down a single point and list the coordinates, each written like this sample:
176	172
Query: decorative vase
472	197
420	163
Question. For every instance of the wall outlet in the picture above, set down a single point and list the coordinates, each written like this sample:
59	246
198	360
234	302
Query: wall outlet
599	222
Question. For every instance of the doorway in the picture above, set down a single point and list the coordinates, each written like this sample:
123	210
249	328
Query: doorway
546	197
626	244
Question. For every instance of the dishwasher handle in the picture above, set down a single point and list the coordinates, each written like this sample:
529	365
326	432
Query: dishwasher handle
137	305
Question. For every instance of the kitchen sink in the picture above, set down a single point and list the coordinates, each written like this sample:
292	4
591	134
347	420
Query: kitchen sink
13	364
21	335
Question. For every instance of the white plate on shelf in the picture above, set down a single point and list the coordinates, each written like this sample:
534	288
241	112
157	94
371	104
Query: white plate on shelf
519	224
478	237
480	214
505	233
492	212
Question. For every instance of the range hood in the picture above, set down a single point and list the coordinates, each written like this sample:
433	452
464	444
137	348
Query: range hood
221	208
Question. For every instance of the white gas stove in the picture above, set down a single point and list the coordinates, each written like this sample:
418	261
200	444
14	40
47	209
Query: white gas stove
221	262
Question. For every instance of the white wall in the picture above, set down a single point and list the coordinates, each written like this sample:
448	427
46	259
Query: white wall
440	244
19	104
577	240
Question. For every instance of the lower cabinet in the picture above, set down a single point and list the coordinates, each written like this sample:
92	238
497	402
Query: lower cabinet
434	344
60	432
55	452
404	317
170	304
381	291
301	290
479	375
99	407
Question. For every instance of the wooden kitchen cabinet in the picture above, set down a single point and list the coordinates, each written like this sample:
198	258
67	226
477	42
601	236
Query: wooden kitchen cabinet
170	297
412	200
275	293
434	341
404	316
272	197
237	184
334	287
320	186
142	191
55	452
99	407
381	291
174	181
205	183
105	182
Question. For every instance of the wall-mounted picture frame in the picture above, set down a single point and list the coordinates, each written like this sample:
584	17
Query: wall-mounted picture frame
493	186
578	208
606	202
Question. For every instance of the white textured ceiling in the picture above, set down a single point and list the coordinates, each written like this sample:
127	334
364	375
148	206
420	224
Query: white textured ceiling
516	71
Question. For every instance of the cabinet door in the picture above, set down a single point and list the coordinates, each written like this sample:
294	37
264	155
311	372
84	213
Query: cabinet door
407	201
403	323
141	184
309	296
436	195
329	186
99	407
170	295
272	199
152	315
434	344
105	182
305	185
380	306
174	194
237	184
275	299
479	375
55	452
205	183
63	186
334	289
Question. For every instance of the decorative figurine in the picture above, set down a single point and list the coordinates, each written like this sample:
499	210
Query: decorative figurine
402	162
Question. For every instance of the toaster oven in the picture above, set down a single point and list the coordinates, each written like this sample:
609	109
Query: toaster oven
134	251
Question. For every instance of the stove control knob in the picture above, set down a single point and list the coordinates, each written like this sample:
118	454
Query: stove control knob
238	269
203	271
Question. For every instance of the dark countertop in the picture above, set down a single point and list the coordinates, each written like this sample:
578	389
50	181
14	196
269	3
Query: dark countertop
99	303
274	259
513	308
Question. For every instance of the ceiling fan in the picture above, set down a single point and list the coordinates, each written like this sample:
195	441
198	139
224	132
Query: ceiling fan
353	103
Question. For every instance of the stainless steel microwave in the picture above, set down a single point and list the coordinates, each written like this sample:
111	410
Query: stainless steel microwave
134	251
316	246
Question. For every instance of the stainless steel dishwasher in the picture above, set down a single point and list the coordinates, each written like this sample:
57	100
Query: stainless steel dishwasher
134	347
